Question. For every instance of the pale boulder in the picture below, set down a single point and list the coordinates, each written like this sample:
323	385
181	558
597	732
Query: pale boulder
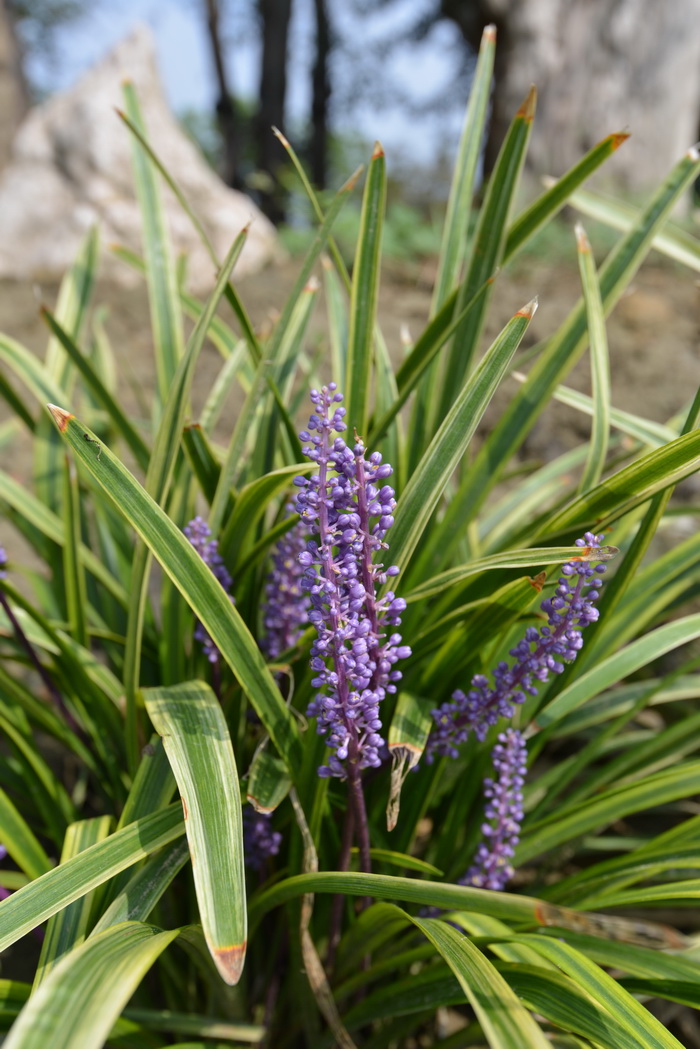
71	167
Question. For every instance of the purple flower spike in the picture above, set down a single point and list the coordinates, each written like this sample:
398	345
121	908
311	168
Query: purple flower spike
286	611
349	508
199	535
540	653
260	841
492	868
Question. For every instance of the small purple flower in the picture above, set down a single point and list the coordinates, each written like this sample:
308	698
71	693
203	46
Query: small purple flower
349	508
540	653
198	533
3	563
286	610
260	841
492	868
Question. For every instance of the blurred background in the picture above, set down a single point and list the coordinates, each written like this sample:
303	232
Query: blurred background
336	74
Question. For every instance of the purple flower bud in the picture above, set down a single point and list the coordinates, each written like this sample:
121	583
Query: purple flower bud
260	841
286	609
352	655
538	654
492	868
199	535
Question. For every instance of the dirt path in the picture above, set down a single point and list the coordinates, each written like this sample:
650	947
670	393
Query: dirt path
654	336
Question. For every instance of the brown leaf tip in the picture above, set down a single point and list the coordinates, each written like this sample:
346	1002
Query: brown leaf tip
538	581
352	181
694	152
582	242
618	138
229	961
529	309
527	110
312	285
281	136
489	34
378	151
60	416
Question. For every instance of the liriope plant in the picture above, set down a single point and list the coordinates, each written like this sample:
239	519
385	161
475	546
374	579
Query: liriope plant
237	802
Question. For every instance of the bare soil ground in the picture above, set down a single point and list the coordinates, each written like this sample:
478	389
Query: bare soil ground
654	337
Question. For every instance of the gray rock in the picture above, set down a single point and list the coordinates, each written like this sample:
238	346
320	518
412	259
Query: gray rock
71	167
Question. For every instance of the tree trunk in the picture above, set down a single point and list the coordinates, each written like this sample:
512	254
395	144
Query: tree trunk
321	93
14	94
225	109
599	66
274	16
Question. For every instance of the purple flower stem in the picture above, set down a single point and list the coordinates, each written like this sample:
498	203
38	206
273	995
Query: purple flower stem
338	902
39	667
357	798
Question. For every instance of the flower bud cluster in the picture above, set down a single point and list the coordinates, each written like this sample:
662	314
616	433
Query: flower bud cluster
540	653
199	535
286	610
492	868
349	508
260	841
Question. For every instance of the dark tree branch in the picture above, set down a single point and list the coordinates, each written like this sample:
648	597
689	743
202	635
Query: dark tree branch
321	93
225	109
274	17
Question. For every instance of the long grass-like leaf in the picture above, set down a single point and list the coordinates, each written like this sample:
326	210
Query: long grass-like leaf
158	478
611	997
533	558
364	294
487	250
143	890
428	483
101	975
166	319
76	592
464	176
630	487
189	720
669	785
675	243
197	584
559	192
645	430
560	354
504	1021
34	511
19	840
615	668
423	354
37	901
600	365
120	420
560	1000
67	929
410	890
